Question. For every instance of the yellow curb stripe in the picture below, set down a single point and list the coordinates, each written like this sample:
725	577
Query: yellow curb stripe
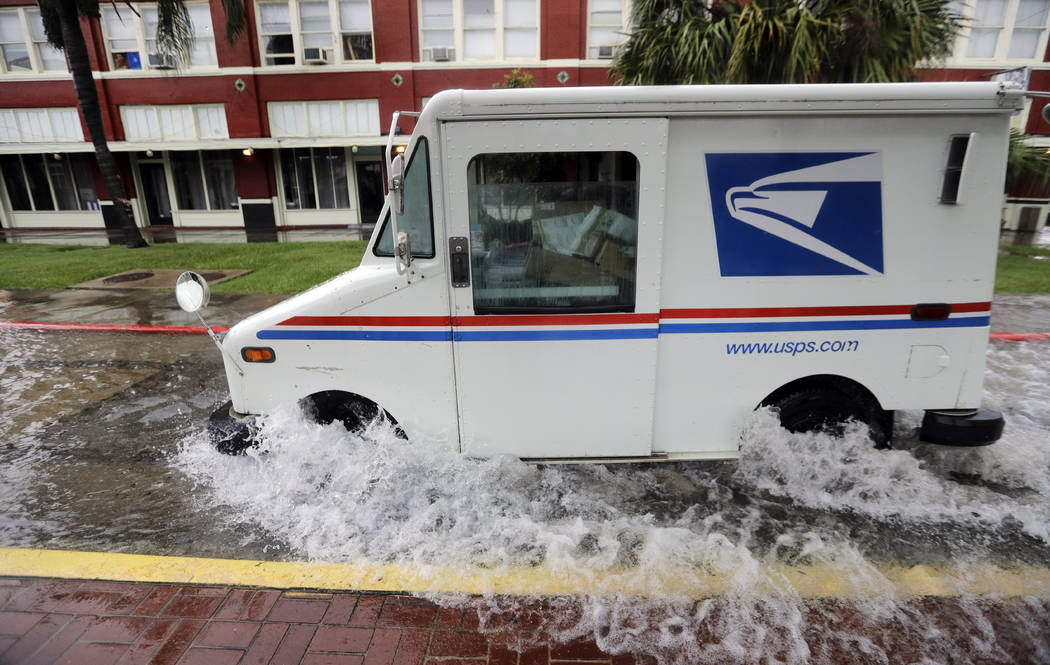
798	581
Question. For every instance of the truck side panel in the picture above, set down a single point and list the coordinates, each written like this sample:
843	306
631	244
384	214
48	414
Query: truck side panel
773	220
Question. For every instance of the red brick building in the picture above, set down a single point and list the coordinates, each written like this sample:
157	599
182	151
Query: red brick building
279	136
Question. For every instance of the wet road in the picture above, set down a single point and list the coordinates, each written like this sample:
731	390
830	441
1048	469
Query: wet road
102	448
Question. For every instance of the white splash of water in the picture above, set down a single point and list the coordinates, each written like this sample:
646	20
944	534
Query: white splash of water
335	496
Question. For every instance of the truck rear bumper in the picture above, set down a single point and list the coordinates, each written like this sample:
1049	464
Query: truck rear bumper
970	427
232	432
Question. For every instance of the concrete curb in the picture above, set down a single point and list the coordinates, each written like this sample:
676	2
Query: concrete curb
810	581
1017	337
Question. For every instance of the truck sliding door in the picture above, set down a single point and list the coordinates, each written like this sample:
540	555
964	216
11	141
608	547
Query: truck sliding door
555	238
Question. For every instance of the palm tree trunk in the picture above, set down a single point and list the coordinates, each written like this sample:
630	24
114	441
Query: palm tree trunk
87	98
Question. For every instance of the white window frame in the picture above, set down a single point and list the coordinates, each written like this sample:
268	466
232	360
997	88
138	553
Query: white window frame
82	206
459	27
351	180
36	63
195	112
348	108
624	26
13	125
295	27
143	39
1006	32
169	172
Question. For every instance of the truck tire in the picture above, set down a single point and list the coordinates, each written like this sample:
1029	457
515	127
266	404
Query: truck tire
355	413
823	409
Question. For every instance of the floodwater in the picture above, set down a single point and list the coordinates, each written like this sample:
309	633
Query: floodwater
102	448
1035	239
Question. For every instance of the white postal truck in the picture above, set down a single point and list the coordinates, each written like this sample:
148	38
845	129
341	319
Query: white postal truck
628	272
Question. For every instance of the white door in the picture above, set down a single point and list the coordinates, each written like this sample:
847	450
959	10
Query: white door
555	324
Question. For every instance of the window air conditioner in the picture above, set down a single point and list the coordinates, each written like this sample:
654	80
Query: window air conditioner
315	56
162	61
606	52
442	54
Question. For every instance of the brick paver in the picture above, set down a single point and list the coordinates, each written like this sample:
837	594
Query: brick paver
49	622
118	623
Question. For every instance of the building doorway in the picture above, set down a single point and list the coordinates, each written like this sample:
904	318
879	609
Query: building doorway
370	194
154	183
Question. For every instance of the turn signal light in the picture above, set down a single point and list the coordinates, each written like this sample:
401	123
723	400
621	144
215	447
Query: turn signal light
258	354
931	311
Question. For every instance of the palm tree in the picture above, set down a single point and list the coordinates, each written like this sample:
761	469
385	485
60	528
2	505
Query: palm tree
61	20
783	41
1026	163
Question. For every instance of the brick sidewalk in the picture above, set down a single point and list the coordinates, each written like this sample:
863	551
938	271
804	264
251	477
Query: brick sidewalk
108	623
48	621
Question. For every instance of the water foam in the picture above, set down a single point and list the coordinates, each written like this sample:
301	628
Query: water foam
791	500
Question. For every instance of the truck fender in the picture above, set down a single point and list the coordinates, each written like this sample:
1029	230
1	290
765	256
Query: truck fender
354	411
824	402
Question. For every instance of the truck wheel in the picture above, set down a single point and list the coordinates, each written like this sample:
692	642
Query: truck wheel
819	409
354	412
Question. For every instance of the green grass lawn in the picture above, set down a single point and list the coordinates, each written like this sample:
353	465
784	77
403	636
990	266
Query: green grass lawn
276	267
294	267
1023	269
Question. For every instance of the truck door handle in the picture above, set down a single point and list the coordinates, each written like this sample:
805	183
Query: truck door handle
459	261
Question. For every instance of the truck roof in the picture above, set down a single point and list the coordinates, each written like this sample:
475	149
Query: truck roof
953	97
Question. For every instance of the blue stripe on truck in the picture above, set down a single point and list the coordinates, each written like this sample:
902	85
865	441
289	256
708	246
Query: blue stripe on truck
616	333
800	326
382	335
528	335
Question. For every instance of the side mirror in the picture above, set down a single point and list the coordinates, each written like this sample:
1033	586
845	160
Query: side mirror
404	249
397	183
192	292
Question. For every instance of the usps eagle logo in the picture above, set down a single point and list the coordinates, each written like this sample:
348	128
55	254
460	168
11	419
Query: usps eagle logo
797	213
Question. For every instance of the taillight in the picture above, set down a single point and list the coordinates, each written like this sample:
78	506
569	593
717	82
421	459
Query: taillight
258	354
931	311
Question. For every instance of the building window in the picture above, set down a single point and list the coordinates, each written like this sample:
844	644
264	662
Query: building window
174	122
1003	29
275	30
315	32
23	44
355	29
131	41
608	22
40	125
356	117
49	182
204	180
479	29
315	178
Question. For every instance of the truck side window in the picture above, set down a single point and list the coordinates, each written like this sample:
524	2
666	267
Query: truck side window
418	219
553	231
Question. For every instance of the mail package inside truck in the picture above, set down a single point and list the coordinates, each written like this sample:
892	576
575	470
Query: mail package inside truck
628	273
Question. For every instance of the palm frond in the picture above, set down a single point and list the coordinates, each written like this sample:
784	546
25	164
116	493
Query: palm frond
174	28
780	41
1026	162
235	19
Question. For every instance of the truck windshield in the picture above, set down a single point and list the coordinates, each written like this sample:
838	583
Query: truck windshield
418	219
553	231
